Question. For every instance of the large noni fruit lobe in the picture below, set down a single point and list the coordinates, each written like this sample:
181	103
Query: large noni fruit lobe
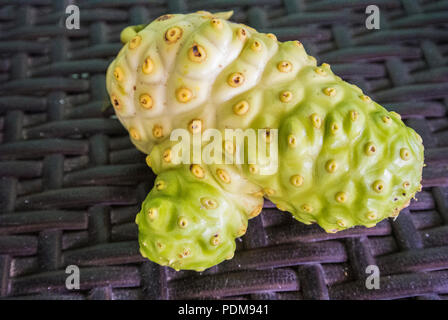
343	159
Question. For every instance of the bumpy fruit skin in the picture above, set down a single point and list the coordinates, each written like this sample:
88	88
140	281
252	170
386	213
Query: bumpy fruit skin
343	159
190	223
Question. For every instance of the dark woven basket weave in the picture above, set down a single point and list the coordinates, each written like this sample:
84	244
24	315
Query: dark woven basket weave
71	182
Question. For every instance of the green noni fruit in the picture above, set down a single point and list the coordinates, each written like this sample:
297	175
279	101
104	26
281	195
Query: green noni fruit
343	160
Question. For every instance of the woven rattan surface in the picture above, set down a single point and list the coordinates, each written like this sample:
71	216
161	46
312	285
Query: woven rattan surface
71	182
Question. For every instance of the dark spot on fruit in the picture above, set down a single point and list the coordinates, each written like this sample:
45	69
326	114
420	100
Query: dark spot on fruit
196	51
164	17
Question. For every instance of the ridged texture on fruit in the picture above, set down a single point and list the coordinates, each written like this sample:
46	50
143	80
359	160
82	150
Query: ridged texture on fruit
191	223
343	159
164	77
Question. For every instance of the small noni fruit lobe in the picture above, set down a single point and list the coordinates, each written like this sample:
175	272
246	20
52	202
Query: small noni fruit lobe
343	159
190	223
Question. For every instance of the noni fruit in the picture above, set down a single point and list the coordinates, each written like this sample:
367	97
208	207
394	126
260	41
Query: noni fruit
343	160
